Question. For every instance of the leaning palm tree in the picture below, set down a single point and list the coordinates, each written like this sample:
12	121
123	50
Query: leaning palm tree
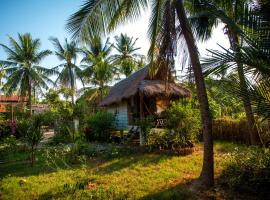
70	72
22	67
127	59
87	21
235	15
97	64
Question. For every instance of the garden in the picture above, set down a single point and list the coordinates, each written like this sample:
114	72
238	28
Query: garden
95	117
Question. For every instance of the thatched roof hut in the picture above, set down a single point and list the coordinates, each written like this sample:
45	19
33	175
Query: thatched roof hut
140	95
140	82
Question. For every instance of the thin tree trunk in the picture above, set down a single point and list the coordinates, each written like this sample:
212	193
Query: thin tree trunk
29	97
253	132
32	156
207	173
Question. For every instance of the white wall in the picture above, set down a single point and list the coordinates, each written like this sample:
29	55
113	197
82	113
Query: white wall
121	114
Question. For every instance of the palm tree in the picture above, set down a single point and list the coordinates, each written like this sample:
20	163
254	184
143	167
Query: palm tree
127	58
67	54
22	66
163	35
231	14
98	68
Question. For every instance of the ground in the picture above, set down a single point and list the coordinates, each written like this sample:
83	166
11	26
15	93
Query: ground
139	175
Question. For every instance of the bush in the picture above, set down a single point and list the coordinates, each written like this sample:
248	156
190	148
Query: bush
165	139
184	120
248	171
99	126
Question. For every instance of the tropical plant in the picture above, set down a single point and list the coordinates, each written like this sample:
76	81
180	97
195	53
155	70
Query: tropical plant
23	69
239	22
98	69
34	134
127	59
100	126
163	35
67	53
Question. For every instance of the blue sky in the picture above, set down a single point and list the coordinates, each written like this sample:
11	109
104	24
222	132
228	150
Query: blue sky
45	18
41	18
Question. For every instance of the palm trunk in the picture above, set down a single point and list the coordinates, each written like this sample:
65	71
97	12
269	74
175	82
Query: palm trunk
253	132
207	173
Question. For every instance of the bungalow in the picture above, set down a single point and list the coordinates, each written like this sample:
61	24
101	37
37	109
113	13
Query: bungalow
139	95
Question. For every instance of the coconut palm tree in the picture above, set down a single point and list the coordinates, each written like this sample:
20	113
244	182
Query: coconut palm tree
87	21
70	72
97	63
232	14
22	66
126	58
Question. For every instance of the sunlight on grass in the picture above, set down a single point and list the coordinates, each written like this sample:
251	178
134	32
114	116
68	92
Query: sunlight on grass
138	176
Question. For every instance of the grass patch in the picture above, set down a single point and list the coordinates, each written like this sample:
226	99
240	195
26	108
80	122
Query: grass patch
134	176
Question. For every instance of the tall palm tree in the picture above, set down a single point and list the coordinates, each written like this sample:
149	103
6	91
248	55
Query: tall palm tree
97	64
231	14
163	27
70	72
22	66
126	58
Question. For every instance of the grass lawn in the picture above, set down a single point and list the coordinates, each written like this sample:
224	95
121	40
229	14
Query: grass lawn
134	176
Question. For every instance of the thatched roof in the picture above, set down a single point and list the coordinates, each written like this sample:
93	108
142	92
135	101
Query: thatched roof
159	88
137	82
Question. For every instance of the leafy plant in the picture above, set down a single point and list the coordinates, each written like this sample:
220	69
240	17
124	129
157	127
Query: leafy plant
184	120
249	171
100	126
34	134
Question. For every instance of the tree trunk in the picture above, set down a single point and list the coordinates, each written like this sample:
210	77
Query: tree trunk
253	132
32	156
30	97
207	173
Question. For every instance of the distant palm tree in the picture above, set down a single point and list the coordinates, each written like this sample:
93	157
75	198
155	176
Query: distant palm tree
22	67
70	72
127	59
98	68
163	26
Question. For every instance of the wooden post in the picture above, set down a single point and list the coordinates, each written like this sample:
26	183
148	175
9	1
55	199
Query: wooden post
12	112
141	106
141	117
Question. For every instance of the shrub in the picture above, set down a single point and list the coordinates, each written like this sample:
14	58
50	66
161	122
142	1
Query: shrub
99	126
34	134
249	171
184	120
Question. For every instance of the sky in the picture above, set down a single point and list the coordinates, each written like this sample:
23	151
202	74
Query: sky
46	18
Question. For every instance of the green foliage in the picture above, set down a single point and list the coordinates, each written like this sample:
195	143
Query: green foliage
23	126
248	171
23	65
145	125
184	119
34	134
100	126
126	59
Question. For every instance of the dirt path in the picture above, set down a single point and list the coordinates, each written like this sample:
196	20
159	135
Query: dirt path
47	136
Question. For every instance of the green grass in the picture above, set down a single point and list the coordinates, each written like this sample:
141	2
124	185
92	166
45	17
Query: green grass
136	176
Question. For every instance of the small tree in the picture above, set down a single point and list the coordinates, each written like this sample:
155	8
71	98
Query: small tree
34	134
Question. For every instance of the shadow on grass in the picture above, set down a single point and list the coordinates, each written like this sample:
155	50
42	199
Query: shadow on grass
143	159
178	192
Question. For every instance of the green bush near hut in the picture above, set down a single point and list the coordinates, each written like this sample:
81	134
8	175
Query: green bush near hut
99	126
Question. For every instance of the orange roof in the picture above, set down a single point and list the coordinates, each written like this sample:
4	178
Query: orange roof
4	98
